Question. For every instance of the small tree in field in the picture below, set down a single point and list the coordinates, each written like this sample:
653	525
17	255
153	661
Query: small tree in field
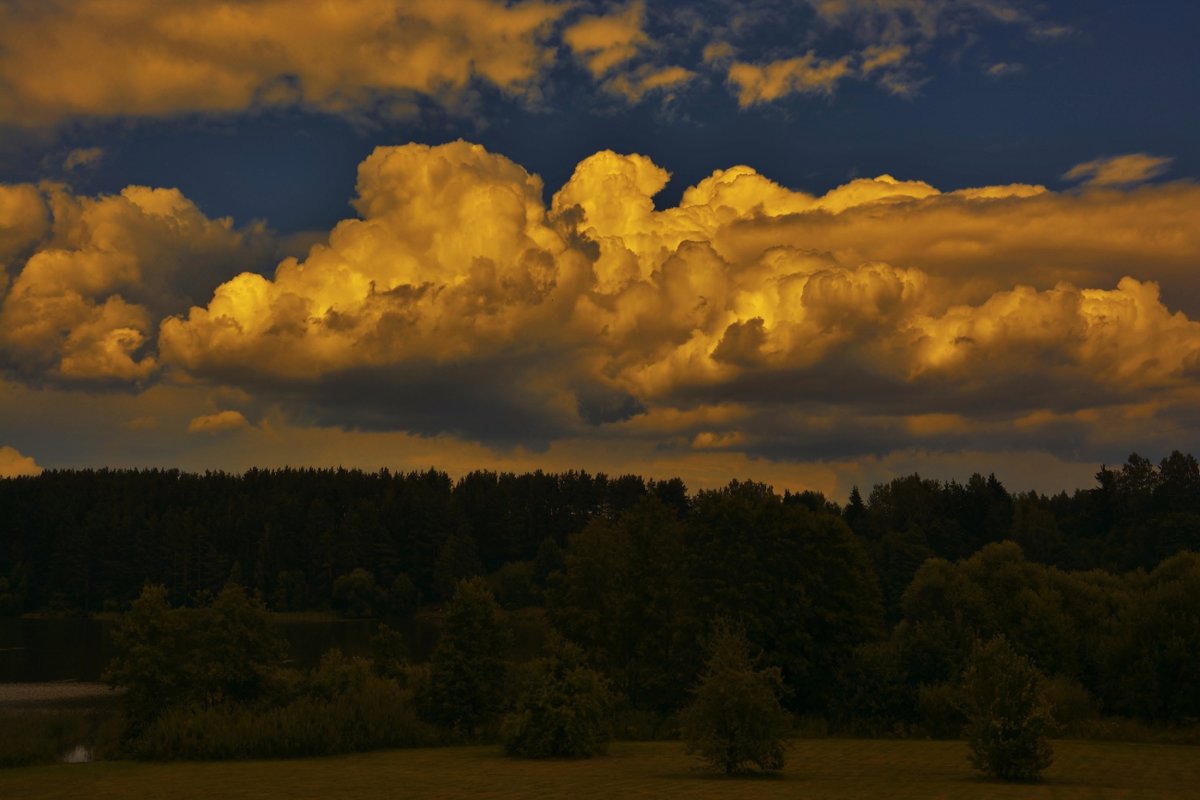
735	719
468	666
1007	720
561	707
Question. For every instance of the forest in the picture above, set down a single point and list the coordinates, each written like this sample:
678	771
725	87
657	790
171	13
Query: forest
868	612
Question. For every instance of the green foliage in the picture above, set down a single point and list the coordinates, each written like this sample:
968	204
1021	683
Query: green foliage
735	719
1008	720
343	710
514	585
389	653
167	657
1151	668
336	675
457	560
875	696
623	598
561	708
402	597
356	595
799	582
467	670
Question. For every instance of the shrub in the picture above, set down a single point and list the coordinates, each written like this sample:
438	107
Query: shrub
562	708
1007	719
373	714
735	719
355	594
221	653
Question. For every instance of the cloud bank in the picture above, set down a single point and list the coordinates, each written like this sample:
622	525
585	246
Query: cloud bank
881	316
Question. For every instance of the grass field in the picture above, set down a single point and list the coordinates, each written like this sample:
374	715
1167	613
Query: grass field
817	768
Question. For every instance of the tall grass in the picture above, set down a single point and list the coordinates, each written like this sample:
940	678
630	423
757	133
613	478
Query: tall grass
378	714
41	735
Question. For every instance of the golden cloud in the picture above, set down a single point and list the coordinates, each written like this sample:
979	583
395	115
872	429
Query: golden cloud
83	157
636	84
1123	170
805	74
892	311
751	318
218	422
604	42
13	464
158	57
89	288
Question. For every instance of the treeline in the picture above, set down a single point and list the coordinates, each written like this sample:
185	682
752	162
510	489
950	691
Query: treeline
89	540
869	611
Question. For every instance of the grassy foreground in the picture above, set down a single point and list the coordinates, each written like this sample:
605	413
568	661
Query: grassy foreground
817	768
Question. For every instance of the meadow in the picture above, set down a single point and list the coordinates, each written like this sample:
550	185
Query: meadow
853	769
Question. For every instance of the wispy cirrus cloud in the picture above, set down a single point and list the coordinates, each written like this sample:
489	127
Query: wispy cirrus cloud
1126	170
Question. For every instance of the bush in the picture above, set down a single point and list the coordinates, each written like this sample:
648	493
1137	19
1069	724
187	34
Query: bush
377	714
224	652
356	595
1007	719
735	719
562	708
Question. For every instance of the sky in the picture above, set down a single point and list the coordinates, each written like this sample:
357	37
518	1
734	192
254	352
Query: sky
817	243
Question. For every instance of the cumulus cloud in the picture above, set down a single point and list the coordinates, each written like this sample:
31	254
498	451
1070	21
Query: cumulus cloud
1123	170
92	276
751	319
218	422
13	464
159	57
878	316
